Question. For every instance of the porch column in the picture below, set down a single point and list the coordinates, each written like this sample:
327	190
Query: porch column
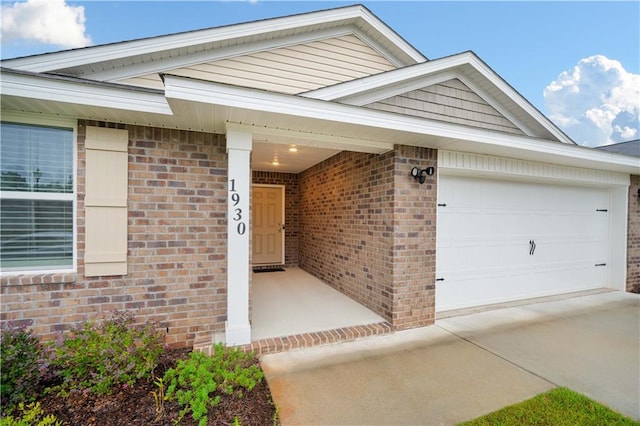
237	327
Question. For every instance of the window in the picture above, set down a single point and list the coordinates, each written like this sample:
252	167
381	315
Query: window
36	197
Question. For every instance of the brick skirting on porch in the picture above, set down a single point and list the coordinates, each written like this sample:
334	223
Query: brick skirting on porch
306	340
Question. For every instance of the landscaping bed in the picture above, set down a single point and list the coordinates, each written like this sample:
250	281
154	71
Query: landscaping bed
115	373
136	406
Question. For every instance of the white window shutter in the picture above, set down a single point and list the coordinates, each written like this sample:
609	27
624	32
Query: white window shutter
106	201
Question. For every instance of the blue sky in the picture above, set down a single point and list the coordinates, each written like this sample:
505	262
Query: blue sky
530	44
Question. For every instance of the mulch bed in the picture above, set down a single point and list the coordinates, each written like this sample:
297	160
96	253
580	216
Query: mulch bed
136	406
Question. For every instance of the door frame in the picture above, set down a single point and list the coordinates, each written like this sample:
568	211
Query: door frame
282	209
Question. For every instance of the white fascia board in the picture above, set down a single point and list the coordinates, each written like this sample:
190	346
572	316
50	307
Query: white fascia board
505	111
82	93
186	89
378	83
381	86
391	35
115	51
516	97
318	140
166	65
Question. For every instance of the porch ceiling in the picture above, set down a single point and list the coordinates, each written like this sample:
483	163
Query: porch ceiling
275	157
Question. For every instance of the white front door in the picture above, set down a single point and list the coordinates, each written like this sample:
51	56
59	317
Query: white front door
500	240
268	224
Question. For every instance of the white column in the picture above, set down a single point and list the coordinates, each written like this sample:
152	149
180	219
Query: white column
237	328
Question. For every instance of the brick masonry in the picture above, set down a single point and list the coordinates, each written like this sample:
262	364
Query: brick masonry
357	221
368	229
176	244
307	340
633	236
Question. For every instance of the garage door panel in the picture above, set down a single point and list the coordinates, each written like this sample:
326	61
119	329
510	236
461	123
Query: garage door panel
515	284
469	254
500	241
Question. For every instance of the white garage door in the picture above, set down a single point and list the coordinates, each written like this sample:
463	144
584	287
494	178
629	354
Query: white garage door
499	241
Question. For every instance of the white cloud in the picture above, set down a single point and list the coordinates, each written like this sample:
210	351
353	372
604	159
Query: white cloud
596	103
44	21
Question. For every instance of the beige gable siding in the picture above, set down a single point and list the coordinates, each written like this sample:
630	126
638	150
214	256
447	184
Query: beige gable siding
451	101
293	69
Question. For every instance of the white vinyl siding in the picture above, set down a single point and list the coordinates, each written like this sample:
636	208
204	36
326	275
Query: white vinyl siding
38	196
293	69
106	202
451	101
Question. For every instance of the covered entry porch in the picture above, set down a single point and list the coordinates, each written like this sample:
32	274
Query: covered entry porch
293	302
344	236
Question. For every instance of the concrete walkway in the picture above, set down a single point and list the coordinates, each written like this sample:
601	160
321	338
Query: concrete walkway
467	366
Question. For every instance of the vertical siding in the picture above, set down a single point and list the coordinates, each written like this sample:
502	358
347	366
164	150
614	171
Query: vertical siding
451	101
292	69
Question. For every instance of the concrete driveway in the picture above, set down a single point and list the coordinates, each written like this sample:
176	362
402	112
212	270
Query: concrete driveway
468	365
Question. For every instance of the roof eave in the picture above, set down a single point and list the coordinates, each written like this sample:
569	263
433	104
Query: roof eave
417	131
49	62
188	101
372	88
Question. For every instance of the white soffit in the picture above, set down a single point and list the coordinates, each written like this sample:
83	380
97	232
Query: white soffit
17	85
204	106
469	69
312	116
102	60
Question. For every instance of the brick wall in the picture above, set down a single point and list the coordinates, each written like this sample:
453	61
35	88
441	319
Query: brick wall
176	244
291	210
633	238
368	229
414	246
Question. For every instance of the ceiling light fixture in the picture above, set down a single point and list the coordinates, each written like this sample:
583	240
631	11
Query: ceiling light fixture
293	149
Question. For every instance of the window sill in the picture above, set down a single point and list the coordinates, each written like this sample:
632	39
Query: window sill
38	278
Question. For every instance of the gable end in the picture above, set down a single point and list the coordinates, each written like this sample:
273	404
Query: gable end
291	69
450	101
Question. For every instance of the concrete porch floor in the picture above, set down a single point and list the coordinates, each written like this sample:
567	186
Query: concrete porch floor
294	302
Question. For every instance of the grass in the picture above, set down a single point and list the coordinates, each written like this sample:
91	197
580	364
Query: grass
558	407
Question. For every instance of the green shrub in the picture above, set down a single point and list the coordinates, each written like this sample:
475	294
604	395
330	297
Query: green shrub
31	415
197	382
97	357
20	355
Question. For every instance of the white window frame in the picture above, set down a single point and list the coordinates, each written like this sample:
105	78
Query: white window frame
49	121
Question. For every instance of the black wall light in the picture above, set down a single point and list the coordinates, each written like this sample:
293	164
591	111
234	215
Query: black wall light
421	174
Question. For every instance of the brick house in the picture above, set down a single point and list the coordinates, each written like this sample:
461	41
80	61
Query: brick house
152	175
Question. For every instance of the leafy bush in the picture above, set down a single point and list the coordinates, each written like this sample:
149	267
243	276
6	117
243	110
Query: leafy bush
20	354
195	381
32	415
97	357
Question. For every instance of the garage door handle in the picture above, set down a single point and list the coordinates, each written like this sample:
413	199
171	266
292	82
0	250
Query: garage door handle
532	247
600	264
439	279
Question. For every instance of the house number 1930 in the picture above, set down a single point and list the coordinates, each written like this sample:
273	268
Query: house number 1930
237	212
